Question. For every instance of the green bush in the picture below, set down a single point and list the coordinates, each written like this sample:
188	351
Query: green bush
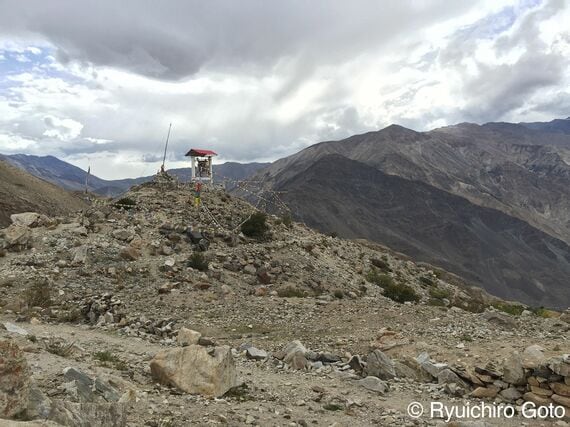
401	293
291	292
198	262
439	293
125	203
514	309
39	294
287	220
427	280
382	280
256	226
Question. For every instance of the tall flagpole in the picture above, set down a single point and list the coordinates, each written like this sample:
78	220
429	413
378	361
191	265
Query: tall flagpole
166	147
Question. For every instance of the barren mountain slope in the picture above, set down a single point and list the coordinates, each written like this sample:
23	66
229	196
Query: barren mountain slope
22	192
519	173
504	255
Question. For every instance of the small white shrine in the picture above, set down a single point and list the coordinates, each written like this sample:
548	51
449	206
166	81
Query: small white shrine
202	168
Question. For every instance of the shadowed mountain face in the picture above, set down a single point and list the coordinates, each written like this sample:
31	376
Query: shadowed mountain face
505	255
491	202
71	177
22	192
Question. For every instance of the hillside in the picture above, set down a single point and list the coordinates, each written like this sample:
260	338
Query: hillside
162	313
511	170
507	256
22	192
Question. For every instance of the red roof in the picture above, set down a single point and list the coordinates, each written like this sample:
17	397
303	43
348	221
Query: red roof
200	152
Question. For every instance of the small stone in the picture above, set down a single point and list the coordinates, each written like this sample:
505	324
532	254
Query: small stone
255	353
188	337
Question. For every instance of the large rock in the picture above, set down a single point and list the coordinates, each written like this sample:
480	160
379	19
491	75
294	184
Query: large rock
14	380
195	370
88	414
533	357
378	364
447	376
513	372
499	319
30	219
432	368
560	365
561	389
373	384
294	354
17	237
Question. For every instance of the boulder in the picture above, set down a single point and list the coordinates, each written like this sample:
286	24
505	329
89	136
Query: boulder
513	372
373	384
130	253
481	392
255	353
533	357
511	394
378	364
17	237
294	354
188	337
560	365
88	414
430	367
560	389
14	380
447	376
536	399
561	400
27	219
499	319
196	370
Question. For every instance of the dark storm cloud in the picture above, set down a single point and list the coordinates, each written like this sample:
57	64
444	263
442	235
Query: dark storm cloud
175	39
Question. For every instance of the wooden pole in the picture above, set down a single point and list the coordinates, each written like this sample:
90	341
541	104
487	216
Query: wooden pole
166	147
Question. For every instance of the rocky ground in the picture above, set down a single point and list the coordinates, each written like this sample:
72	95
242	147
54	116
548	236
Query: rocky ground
292	327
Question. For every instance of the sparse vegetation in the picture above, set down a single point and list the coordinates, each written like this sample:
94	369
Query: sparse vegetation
544	312
382	280
513	309
287	220
338	293
439	293
107	358
125	203
39	294
291	292
198	262
401	293
256	226
428	280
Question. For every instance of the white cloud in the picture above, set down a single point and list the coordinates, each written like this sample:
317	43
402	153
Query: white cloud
260	83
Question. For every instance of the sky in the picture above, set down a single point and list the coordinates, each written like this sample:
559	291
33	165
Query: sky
97	82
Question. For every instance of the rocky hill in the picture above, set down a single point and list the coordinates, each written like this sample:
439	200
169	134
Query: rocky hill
22	192
149	310
509	171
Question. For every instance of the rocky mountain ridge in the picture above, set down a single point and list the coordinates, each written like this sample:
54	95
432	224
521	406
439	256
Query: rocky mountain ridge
150	310
511	169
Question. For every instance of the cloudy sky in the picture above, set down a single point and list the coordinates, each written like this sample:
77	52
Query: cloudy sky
98	81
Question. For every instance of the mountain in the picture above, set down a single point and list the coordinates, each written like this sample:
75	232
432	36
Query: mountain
496	199
22	192
71	177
